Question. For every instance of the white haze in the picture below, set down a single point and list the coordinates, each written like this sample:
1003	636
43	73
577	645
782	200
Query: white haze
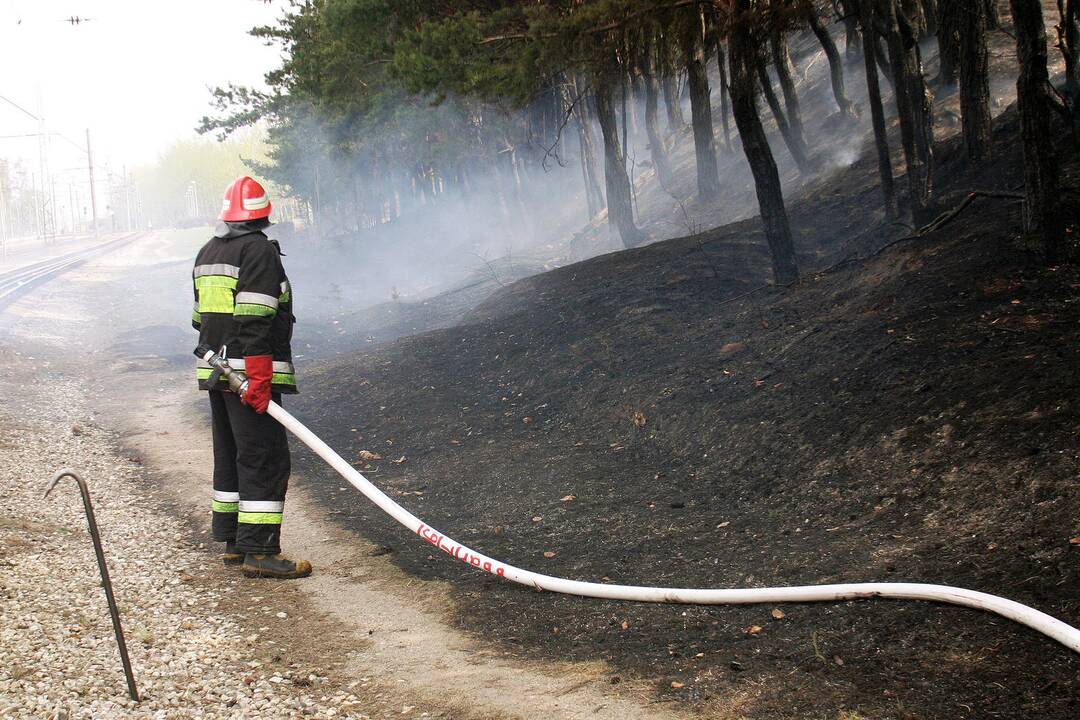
135	73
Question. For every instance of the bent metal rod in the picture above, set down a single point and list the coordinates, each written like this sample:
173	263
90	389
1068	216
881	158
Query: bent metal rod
106	583
1050	626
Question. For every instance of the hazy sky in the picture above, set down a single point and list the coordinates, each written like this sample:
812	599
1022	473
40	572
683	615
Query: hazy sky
136	73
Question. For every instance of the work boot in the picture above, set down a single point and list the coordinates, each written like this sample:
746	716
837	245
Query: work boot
275	566
232	556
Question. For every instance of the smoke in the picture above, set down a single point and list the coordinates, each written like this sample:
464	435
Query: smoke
400	235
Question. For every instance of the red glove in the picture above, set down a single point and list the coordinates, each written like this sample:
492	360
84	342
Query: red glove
259	370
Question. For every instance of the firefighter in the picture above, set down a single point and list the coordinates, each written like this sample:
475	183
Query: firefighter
243	306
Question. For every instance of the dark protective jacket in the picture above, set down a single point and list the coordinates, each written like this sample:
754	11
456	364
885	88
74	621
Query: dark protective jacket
243	302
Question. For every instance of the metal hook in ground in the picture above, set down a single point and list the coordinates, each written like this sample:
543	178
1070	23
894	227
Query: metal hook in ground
105	581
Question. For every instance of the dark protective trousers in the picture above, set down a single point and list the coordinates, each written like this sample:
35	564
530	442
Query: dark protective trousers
251	474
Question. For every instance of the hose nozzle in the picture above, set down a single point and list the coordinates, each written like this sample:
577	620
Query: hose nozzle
238	382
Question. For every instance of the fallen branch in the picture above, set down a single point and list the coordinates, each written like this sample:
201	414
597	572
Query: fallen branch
933	226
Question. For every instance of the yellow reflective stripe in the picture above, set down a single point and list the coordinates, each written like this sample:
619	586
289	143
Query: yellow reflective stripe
259	518
275	379
196	316
216	297
284	297
225	507
250	309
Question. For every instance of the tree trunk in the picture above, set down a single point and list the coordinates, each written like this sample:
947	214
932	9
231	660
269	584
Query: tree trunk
974	78
725	92
625	124
794	145
672	92
849	11
619	199
930	14
784	74
594	195
756	146
882	58
1069	44
913	10
877	112
657	150
914	107
836	67
636	91
1042	212
948	38
708	175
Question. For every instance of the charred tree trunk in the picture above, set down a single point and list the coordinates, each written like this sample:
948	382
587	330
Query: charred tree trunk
1042	211
1069	43
974	78
657	149
793	142
836	67
914	11
619	196
914	106
625	123
514	162
725	93
948	38
594	195
930	14
781	57
881	57
756	146
849	11
637	90
672	92
708	175
877	112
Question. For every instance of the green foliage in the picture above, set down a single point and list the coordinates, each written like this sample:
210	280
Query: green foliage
367	85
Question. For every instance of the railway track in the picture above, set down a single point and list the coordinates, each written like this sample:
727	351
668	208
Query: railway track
34	274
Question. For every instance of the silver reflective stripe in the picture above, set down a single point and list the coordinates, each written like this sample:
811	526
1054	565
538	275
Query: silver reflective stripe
285	287
254	506
195	307
226	496
238	364
255	298
217	269
257	203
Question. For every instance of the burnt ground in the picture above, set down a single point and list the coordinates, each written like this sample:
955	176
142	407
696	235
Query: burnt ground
911	417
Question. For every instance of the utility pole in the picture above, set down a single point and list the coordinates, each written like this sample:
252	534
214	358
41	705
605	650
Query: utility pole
73	207
128	221
93	191
48	200
4	224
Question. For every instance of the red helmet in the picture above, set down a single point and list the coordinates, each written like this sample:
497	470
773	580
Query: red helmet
245	200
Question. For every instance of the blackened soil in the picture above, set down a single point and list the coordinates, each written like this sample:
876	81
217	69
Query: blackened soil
912	417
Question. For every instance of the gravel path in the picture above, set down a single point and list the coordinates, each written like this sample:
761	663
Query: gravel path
192	657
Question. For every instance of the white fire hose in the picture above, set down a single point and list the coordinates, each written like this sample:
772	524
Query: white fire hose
1040	621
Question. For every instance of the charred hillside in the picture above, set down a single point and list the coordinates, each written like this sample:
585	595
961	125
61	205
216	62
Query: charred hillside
662	416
